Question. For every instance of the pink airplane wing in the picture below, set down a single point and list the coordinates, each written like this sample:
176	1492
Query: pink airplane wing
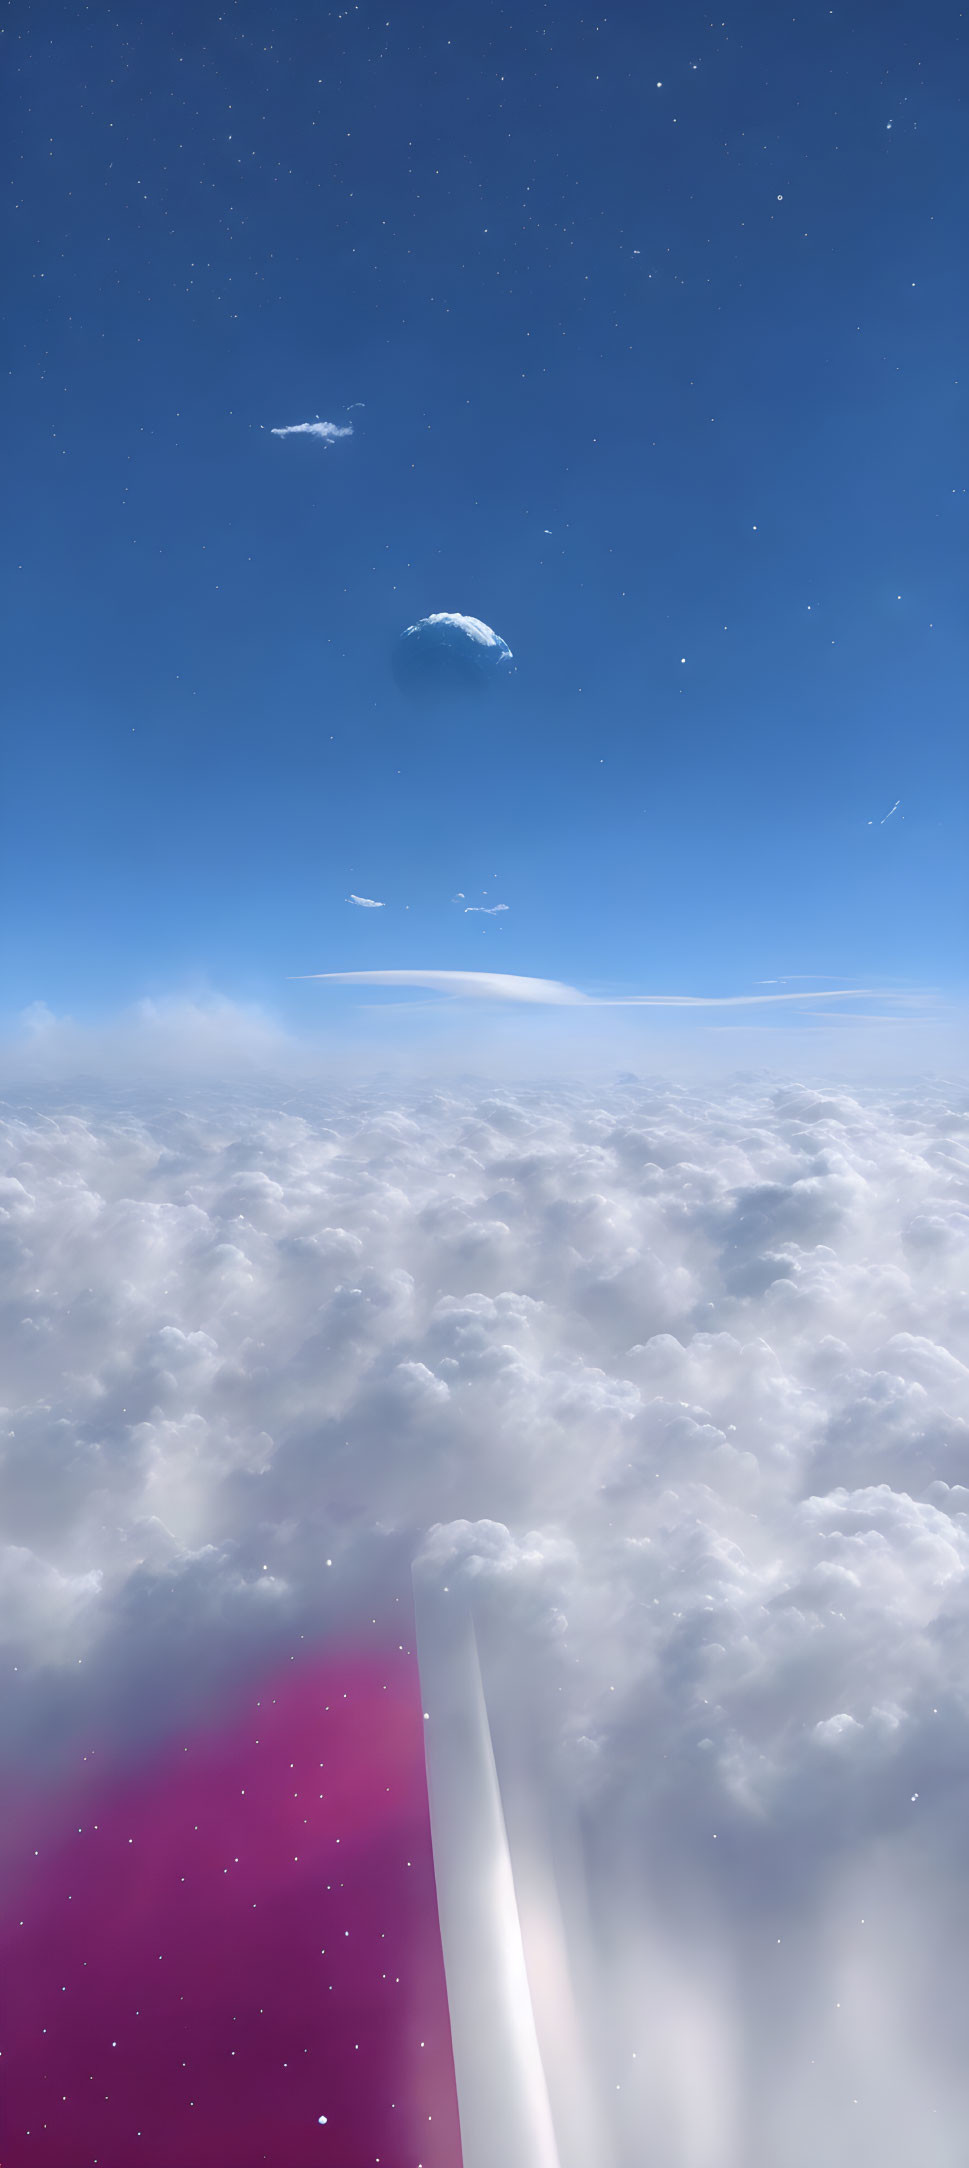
229	1956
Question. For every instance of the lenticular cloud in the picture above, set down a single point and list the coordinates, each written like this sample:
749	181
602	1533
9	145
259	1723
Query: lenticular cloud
673	1396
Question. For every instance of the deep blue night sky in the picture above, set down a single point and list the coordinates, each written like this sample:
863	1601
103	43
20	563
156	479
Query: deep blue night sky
649	328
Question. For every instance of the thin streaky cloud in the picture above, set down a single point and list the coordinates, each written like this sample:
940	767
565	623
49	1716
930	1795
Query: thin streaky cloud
867	1016
328	432
731	1001
887	816
555	993
487	910
367	903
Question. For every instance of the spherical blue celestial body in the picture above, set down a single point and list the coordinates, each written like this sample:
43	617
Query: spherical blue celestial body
448	653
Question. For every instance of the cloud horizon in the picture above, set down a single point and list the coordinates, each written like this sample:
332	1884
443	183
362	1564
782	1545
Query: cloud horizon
491	1031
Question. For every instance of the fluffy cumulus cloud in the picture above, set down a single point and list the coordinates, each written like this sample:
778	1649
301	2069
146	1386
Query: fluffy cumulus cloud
674	1391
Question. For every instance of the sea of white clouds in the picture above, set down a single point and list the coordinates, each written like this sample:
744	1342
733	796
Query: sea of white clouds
676	1384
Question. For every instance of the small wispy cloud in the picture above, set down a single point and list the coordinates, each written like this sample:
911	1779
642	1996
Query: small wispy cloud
328	432
367	903
487	909
887	816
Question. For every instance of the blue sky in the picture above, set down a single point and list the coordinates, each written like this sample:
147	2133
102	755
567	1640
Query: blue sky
649	331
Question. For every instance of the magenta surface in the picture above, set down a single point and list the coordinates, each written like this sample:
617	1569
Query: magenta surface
235	1940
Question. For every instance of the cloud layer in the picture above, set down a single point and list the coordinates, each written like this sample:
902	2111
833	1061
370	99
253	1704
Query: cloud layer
676	1390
